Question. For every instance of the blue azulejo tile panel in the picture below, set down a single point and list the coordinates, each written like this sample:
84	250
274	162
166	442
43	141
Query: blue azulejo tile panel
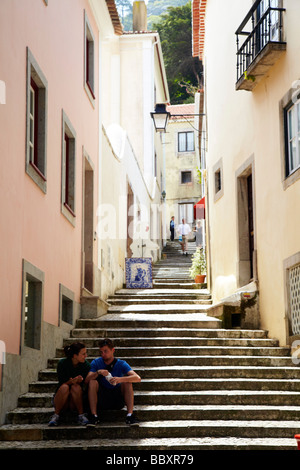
138	273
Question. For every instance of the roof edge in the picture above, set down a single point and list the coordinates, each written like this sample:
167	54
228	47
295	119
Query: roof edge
114	15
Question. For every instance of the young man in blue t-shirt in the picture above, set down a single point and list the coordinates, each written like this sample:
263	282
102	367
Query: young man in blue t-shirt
110	384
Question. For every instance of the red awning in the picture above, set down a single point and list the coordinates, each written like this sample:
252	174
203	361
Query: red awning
199	209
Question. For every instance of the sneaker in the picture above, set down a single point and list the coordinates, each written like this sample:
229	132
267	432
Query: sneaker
54	420
93	420
82	419
132	420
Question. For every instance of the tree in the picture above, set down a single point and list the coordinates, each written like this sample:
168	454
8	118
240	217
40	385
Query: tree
124	8
184	71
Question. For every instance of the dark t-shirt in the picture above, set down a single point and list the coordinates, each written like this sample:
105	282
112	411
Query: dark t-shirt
66	370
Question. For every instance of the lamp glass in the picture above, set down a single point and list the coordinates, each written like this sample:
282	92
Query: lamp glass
160	117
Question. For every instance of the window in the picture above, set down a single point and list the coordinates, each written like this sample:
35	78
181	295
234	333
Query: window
36	123
186	177
289	109
68	169
218	180
272	18
186	142
293	138
89	59
33	283
66	303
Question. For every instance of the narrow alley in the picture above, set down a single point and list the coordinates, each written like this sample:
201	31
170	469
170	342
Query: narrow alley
203	387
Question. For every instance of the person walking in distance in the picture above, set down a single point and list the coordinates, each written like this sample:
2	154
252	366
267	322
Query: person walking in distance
110	384
172	228
199	234
184	230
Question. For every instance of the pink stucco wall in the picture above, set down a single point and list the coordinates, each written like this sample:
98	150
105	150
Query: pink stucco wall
32	226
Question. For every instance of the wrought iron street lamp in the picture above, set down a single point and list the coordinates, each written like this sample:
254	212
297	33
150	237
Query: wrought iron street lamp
160	117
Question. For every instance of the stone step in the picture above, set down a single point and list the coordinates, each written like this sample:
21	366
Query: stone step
153	429
184	444
198	351
95	333
170	275
141	321
166	309
188	342
153	293
178	272
185	331
159	301
192	361
191	295
145	413
188	385
204	372
172	279
162	284
197	398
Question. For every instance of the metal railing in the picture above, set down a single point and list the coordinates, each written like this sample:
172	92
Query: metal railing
265	22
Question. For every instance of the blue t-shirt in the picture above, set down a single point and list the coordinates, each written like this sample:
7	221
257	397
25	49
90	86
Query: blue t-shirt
119	369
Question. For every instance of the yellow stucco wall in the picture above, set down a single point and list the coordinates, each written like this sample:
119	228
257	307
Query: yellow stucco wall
244	128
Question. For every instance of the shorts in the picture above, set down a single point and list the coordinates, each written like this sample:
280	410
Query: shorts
110	398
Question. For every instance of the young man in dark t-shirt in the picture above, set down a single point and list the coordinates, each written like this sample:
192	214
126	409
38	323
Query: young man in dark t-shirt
110	384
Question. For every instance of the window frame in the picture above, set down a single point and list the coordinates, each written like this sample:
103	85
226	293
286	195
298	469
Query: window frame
66	297
188	183
36	140
68	170
289	99
36	277
89	59
218	177
186	149
292	110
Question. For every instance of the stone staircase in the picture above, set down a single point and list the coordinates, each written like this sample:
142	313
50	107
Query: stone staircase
203	387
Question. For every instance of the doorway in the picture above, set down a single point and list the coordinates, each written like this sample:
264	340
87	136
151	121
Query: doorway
88	226
130	218
186	212
246	227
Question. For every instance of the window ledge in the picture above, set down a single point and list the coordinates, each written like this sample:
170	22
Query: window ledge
37	176
90	94
291	179
68	214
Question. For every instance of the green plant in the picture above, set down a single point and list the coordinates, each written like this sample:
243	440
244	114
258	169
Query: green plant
198	263
199	174
249	77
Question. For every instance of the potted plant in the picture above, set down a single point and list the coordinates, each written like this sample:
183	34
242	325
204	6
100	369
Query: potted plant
198	268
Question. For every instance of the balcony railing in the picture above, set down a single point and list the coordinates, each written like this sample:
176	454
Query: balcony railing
264	42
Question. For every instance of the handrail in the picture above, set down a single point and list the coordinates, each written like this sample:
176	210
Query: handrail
261	19
248	16
258	25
